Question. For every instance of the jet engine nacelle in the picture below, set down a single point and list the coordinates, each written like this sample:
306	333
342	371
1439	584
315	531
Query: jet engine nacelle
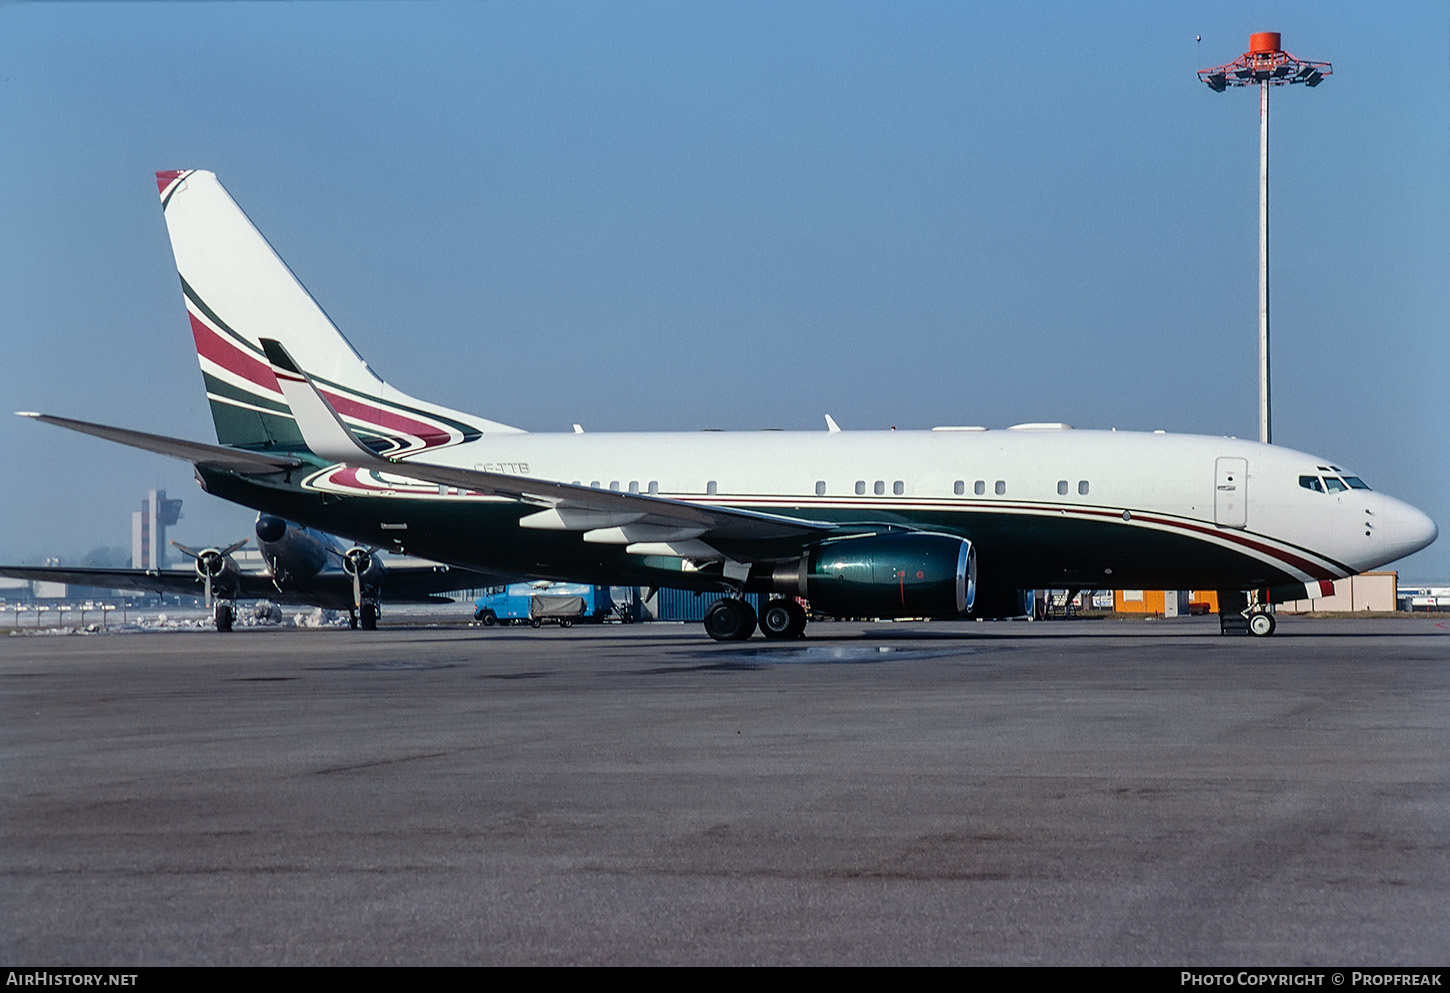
914	574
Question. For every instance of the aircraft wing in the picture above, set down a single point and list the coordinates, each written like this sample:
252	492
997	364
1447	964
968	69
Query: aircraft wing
403	584
214	456
416	583
641	520
399	584
248	586
140	580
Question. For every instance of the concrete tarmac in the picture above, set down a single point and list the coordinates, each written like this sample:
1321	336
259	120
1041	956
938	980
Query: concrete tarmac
1081	792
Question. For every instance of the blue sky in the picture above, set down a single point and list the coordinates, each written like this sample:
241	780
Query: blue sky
735	215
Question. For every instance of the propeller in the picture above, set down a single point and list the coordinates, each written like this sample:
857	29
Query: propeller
356	562
210	563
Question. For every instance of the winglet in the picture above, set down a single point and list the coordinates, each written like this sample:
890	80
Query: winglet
831	426
322	427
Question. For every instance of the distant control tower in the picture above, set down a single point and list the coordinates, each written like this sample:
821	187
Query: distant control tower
148	530
1265	64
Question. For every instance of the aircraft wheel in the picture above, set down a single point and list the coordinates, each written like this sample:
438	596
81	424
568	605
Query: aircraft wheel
223	615
729	619
489	618
783	619
369	617
1262	625
534	622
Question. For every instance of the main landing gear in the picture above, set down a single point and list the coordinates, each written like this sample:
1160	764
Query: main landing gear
222	614
365	616
730	620
733	619
783	619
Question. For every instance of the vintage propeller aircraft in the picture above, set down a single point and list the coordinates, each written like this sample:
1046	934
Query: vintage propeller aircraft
302	566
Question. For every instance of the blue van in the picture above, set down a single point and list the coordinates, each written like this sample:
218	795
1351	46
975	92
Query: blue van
536	603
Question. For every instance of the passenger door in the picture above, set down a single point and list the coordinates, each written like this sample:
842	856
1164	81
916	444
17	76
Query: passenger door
1231	492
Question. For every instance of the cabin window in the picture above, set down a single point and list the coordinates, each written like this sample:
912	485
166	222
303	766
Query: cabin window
860	487
959	487
710	488
1062	487
979	487
1001	487
634	486
614	485
654	486
1082	487
594	483
820	487
1311	483
879	488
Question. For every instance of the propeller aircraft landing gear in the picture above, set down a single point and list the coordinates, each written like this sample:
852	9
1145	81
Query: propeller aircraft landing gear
368	616
223	616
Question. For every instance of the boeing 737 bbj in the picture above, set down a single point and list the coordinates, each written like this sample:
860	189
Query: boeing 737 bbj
950	522
303	566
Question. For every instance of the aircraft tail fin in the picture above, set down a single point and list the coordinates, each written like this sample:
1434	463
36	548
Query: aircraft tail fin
238	291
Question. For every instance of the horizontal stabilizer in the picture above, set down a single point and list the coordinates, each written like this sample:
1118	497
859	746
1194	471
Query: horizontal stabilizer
323	430
195	452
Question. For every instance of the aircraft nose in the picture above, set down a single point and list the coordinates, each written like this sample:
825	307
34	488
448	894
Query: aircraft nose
1409	530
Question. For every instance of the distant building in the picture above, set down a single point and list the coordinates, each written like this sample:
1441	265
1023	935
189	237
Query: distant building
1368	591
42	589
148	530
1165	603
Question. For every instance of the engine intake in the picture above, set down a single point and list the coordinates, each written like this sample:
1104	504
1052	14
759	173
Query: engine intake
916	574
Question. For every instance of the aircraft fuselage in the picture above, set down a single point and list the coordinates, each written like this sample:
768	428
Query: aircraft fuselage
1044	507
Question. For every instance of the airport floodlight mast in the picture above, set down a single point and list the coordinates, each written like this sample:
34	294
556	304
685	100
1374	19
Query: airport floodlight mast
1265	64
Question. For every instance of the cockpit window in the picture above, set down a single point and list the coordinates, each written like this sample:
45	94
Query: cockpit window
1311	483
1355	483
1335	484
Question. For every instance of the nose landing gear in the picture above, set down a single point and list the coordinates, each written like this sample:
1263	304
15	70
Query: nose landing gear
1240	611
